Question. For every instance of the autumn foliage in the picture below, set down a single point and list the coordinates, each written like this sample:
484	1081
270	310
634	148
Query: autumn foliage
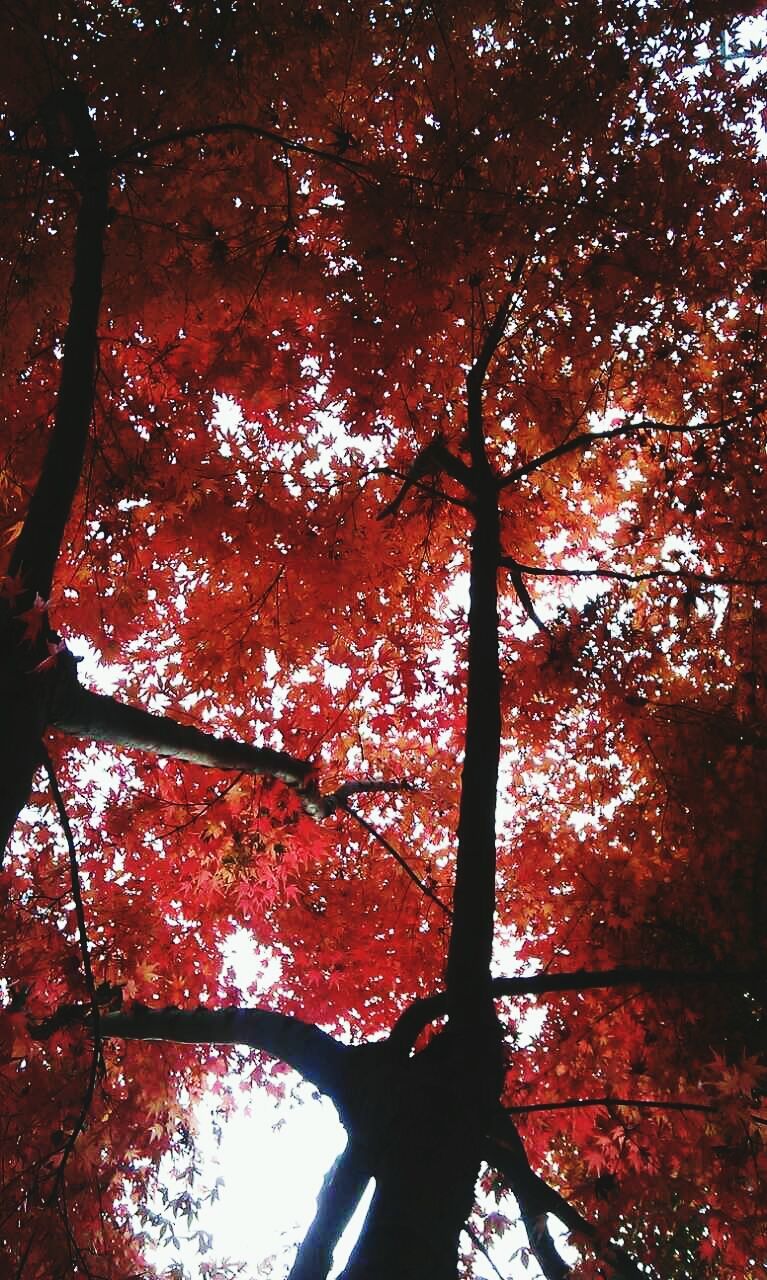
384	399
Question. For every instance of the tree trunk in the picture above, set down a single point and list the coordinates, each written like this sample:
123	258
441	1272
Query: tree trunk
424	1147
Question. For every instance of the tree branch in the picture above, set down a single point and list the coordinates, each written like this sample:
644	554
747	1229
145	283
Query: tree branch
531	1194
95	1015
479	1243
586	439
432	460
569	1104
622	976
339	1196
536	1199
141	148
317	1056
398	858
421	1012
339	799
620	575
523	595
102	718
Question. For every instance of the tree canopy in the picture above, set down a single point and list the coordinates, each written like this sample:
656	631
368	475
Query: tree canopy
384	398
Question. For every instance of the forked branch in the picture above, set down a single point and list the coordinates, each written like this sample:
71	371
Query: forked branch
689	577
421	1012
536	1198
100	717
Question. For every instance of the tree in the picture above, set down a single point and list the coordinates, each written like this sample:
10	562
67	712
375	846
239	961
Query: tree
487	285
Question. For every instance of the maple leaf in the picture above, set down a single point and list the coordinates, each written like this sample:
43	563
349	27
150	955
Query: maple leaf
530	322
34	620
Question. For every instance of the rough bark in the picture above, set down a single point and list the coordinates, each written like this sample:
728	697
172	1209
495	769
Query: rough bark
102	718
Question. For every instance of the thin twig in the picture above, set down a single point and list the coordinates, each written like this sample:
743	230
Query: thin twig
479	1243
398	858
339	799
140	149
571	1103
87	974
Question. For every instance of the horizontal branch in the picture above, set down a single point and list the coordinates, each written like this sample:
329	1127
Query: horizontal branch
619	575
587	439
567	1104
421	1012
100	717
623	976
309	1050
140	148
339	799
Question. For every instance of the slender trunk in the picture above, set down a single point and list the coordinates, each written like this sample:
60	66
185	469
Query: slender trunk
36	551
25	693
426	1169
471	940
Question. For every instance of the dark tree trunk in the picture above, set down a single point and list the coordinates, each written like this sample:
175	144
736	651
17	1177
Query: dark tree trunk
25	693
422	1134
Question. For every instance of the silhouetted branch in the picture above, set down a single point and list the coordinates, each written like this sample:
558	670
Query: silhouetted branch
648	575
339	1196
102	718
536	1198
95	1017
362	787
36	550
568	1104
479	1243
421	1012
622	976
587	439
139	149
471	936
398	858
523	595
317	1056
434	459
495	333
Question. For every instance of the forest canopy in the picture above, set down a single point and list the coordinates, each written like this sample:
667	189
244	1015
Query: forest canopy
384	415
